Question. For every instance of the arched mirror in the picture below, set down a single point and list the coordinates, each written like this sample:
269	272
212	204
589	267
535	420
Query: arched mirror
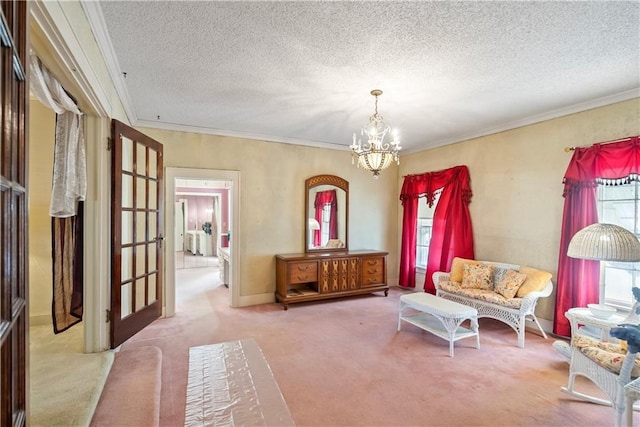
326	212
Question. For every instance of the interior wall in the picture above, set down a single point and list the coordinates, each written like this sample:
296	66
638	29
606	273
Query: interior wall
42	122
272	216
516	179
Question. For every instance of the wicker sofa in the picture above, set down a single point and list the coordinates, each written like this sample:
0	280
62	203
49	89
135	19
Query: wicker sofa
505	292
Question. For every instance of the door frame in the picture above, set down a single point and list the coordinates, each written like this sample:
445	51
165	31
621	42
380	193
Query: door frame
170	176
71	66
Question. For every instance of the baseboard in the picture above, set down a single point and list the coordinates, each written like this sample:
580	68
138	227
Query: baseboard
547	326
256	299
40	320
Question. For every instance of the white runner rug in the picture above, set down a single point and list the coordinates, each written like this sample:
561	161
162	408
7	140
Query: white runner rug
231	384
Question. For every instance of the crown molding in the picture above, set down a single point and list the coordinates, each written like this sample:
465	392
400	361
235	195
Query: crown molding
99	28
548	115
237	134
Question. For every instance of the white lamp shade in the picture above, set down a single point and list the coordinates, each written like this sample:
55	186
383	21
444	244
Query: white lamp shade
605	242
313	224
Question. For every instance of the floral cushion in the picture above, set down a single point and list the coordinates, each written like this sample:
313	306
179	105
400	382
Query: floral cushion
477	276
510	283
480	294
456	268
453	287
606	354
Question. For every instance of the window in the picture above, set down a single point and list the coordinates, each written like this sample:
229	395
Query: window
425	226
422	242
324	227
619	205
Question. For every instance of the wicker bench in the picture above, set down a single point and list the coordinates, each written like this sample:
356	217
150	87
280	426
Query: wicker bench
514	312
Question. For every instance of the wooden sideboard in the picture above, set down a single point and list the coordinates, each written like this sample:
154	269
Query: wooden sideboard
314	276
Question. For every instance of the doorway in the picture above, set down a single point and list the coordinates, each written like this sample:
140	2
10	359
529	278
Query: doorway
173	178
201	222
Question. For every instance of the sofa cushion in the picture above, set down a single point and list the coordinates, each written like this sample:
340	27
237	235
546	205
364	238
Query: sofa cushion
477	276
480	294
536	280
453	287
456	268
606	354
510	283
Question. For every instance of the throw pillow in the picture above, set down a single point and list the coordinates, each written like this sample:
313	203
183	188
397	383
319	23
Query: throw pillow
456	268
478	276
510	283
498	272
536	280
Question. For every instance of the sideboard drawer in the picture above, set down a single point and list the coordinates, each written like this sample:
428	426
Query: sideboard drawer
373	271
303	272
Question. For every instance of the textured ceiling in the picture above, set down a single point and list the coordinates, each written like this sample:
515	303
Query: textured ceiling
301	72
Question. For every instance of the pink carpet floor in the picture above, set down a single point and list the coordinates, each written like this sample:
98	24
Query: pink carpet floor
342	363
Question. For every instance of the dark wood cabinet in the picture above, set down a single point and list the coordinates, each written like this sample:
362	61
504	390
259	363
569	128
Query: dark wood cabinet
314	276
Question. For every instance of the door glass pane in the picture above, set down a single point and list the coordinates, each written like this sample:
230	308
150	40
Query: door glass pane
141	195
141	227
141	160
127	191
152	289
126	264
153	163
153	195
153	226
152	256
125	300
127	228
127	154
140	294
140	260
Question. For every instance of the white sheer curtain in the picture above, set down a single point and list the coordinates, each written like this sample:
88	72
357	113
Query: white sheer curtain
67	194
70	165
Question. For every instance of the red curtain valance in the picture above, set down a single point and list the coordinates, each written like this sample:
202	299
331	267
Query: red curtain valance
430	183
605	163
609	161
452	233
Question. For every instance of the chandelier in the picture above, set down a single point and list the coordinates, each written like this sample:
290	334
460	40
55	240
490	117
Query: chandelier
376	154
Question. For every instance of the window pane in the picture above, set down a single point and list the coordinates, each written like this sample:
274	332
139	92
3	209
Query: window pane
618	283
617	192
619	205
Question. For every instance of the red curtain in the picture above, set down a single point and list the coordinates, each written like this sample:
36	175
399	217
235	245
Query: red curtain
323	198
616	163
452	234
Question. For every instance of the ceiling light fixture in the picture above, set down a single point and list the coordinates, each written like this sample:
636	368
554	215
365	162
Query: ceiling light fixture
376	154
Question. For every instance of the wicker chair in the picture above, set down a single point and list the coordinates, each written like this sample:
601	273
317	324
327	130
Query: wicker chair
610	382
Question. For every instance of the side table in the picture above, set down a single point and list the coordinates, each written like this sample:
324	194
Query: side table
582	317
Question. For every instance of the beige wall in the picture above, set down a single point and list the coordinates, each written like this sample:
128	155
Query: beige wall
516	178
42	122
272	212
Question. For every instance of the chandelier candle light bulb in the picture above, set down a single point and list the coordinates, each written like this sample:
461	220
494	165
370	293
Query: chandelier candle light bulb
376	154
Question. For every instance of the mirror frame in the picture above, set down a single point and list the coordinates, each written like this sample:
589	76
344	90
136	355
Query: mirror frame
316	181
